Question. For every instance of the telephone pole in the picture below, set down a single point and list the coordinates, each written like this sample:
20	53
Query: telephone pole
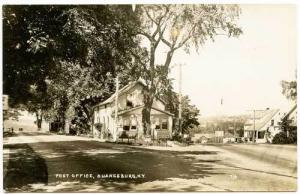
179	99
255	132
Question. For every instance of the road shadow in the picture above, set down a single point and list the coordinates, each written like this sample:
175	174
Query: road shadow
9	134
24	167
81	157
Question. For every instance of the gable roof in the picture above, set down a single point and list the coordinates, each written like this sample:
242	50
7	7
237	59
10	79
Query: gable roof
290	112
123	90
266	116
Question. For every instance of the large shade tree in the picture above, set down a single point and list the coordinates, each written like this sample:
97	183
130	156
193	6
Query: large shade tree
62	57
176	27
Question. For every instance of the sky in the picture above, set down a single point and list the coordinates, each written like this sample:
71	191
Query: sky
245	72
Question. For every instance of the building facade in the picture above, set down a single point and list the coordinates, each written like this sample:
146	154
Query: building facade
264	126
130	106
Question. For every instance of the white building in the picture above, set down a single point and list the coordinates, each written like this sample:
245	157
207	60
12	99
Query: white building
130	106
267	125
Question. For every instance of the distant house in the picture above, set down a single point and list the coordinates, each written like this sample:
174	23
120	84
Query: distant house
130	106
229	138
202	137
266	124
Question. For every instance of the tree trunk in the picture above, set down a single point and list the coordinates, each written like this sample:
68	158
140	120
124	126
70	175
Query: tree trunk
63	122
146	115
39	120
146	112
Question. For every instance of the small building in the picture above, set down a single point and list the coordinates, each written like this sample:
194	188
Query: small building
130	106
266	125
202	137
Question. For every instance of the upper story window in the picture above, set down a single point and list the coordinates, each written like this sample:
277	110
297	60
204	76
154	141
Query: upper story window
272	122
129	104
129	101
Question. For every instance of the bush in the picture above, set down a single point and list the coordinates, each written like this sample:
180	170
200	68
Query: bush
281	138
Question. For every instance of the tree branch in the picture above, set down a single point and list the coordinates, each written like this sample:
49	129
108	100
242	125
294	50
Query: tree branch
149	16
185	39
138	58
146	35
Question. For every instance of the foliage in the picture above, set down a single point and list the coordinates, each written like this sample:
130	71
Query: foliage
98	126
289	89
12	114
177	26
281	138
68	54
189	112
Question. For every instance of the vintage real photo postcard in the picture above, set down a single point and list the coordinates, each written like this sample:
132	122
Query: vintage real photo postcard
149	97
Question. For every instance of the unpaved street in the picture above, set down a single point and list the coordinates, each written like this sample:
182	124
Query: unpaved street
51	163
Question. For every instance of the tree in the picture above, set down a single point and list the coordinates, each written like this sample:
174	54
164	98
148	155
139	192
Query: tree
190	112
289	89
67	55
106	35
175	27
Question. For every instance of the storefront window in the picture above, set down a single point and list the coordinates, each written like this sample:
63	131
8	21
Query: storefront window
133	122
157	123
261	134
126	125
164	124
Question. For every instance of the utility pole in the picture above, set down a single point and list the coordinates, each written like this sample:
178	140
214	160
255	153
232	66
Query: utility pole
180	100
116	109
255	132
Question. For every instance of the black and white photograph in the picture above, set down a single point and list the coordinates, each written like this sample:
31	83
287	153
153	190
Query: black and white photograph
183	97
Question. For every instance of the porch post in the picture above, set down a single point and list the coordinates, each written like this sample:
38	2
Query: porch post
170	124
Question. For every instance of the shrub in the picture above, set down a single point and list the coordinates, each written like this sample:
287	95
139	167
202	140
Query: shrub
281	138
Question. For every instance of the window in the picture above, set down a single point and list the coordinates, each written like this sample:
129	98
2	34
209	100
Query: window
126	127
157	123
129	104
261	134
133	122
126	124
164	124
129	101
272	122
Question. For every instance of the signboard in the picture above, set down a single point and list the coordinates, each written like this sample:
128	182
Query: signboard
5	102
219	133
